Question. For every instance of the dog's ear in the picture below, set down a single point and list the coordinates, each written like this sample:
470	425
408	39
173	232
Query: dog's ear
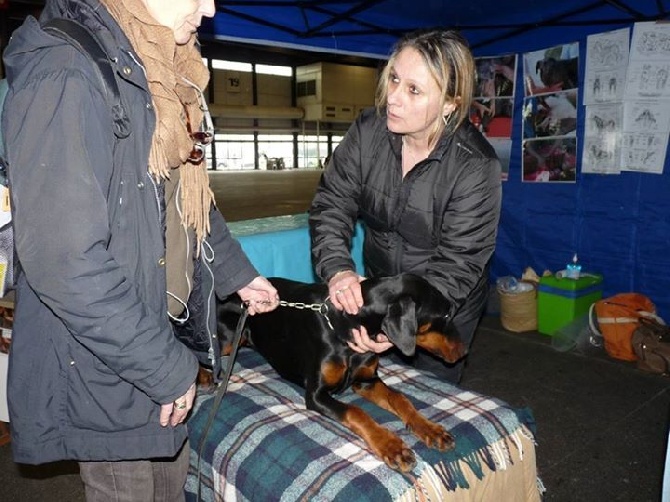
400	325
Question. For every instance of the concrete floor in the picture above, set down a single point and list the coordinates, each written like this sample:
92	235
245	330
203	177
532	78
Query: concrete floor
601	423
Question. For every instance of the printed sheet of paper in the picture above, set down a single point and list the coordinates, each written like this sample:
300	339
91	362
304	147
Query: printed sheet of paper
602	139
649	66
606	64
646	119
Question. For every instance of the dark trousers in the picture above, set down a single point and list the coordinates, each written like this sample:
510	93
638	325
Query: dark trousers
160	480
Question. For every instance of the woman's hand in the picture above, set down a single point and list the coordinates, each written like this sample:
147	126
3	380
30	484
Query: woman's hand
363	343
260	296
344	290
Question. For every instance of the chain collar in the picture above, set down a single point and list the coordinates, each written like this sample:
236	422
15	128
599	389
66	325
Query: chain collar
321	308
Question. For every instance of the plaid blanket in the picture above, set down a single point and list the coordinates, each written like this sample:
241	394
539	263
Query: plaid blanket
264	445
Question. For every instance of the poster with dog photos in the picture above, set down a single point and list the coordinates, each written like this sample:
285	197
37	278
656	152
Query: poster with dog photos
493	102
549	122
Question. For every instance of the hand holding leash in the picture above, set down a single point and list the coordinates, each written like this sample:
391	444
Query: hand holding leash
259	296
345	291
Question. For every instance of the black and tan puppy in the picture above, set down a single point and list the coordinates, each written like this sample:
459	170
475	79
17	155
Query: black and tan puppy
308	346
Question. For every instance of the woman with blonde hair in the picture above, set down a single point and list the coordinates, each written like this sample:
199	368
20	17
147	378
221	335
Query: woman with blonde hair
424	182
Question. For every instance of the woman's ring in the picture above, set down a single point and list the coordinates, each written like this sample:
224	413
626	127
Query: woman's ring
338	292
180	406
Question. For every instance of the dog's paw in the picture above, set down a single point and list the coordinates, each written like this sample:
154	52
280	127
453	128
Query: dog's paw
434	436
205	380
398	456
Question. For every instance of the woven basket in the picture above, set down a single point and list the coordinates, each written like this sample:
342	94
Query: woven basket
518	311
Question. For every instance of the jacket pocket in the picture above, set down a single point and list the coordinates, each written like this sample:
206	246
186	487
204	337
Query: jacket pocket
99	400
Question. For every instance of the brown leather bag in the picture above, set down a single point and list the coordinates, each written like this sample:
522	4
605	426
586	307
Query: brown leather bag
651	344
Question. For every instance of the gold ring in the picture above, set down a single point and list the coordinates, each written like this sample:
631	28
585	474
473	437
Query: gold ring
180	406
338	292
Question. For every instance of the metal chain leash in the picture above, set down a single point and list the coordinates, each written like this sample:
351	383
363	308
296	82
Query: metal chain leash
321	308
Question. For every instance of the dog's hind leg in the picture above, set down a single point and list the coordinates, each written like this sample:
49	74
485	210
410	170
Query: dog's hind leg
432	434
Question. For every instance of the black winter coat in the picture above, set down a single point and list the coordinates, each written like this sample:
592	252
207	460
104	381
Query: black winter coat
93	353
440	221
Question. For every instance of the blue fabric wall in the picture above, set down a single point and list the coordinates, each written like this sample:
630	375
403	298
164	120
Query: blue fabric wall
619	225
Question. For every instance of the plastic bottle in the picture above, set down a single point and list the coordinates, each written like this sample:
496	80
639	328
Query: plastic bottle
573	270
507	284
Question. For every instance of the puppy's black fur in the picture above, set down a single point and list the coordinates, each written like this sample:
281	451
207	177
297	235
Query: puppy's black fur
558	71
301	345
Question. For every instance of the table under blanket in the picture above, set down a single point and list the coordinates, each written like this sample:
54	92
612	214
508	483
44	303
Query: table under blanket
264	445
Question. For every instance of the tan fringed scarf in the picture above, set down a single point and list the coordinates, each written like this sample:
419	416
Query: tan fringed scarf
187	193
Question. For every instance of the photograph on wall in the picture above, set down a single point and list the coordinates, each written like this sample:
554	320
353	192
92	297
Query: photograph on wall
551	70
606	65
550	115
550	160
494	95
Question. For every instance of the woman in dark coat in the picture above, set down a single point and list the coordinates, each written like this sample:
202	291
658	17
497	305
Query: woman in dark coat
425	183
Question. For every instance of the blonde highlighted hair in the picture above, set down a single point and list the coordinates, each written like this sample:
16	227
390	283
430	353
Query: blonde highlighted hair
450	62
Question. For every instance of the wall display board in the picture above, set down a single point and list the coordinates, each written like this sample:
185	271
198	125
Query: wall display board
551	78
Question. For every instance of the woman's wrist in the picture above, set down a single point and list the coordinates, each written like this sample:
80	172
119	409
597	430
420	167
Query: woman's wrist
337	274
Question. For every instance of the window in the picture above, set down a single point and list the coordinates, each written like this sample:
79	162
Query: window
275	150
234	152
312	151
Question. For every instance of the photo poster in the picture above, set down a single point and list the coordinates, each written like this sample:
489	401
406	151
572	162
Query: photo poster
647	99
604	83
493	104
503	148
551	79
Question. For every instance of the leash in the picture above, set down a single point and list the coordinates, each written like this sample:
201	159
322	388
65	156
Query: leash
223	386
321	308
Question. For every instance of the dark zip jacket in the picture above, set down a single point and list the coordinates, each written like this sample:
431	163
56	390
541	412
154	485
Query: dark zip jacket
93	353
440	221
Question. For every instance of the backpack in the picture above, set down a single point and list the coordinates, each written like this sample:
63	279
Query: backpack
651	343
617	318
86	43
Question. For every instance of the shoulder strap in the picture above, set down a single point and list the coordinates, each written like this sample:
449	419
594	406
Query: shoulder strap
86	43
4	86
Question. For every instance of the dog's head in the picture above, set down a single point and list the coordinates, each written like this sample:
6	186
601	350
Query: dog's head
414	313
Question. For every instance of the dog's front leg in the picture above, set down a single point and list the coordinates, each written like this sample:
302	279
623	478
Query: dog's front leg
432	434
384	444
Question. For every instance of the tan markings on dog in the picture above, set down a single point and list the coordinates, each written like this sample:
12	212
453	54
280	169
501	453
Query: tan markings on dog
366	372
440	345
424	328
384	443
432	434
332	373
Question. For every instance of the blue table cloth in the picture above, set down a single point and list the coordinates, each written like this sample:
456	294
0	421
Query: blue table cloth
280	246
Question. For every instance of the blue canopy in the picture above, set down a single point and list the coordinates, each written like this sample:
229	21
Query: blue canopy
619	225
369	27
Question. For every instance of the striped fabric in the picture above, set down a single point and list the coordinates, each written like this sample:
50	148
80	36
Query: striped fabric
265	446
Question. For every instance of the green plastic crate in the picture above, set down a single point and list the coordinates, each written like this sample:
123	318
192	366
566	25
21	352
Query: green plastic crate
562	300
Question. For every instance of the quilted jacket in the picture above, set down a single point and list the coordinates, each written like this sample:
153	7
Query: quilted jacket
440	221
93	353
